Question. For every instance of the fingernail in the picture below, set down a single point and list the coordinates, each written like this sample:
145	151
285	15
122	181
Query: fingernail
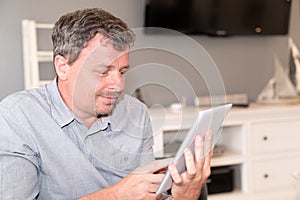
209	134
198	140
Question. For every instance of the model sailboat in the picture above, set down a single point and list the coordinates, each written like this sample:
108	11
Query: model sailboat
279	89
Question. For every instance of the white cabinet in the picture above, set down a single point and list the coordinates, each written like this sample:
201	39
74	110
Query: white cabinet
275	136
273	174
275	153
262	146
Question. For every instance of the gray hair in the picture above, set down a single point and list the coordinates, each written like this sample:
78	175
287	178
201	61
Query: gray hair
72	32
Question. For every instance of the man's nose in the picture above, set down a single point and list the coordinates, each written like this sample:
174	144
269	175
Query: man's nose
116	79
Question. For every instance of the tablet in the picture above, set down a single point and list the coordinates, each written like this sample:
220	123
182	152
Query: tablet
210	119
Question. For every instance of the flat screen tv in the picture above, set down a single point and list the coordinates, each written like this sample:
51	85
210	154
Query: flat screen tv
219	17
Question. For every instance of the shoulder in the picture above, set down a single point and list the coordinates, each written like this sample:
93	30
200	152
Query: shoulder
24	100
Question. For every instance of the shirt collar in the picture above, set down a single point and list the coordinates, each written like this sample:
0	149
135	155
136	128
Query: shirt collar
64	116
104	123
59	110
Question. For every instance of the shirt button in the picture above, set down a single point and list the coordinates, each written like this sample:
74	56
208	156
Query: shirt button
125	158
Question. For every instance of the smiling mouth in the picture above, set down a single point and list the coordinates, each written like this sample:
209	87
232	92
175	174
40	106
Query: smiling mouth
109	99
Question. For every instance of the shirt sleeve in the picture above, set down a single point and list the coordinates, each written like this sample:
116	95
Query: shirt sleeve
148	142
18	163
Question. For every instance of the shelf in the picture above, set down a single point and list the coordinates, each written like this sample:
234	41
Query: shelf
228	158
235	195
287	194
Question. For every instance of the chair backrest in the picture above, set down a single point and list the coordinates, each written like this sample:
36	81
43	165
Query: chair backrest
32	57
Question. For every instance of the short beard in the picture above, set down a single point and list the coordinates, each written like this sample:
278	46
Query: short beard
104	113
100	112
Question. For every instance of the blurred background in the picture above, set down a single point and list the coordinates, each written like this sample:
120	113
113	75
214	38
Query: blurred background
246	62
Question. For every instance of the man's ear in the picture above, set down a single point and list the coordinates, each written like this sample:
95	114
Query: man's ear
61	67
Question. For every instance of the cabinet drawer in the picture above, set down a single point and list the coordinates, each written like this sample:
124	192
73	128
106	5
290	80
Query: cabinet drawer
275	174
272	137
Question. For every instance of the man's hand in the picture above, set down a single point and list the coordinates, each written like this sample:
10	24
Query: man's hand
188	184
138	186
142	183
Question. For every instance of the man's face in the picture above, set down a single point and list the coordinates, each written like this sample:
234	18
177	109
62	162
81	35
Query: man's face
96	79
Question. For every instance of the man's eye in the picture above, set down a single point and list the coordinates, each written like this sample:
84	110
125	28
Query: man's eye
102	73
123	71
105	72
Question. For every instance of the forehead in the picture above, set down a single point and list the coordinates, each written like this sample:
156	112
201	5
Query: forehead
100	50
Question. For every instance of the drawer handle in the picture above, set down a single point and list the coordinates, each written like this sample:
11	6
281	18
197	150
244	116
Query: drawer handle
265	138
266	175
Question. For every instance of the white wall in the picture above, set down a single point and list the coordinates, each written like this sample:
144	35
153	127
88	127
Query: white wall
246	63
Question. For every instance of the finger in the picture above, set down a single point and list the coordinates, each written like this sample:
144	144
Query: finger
207	160
154	166
152	196
190	164
153	188
208	143
199	149
151	178
155	178
174	174
209	146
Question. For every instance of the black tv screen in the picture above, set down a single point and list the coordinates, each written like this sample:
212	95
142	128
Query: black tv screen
220	17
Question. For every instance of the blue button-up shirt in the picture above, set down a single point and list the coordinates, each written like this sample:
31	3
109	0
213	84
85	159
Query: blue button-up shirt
48	153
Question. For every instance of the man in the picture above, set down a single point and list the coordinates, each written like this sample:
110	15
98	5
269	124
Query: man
80	136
